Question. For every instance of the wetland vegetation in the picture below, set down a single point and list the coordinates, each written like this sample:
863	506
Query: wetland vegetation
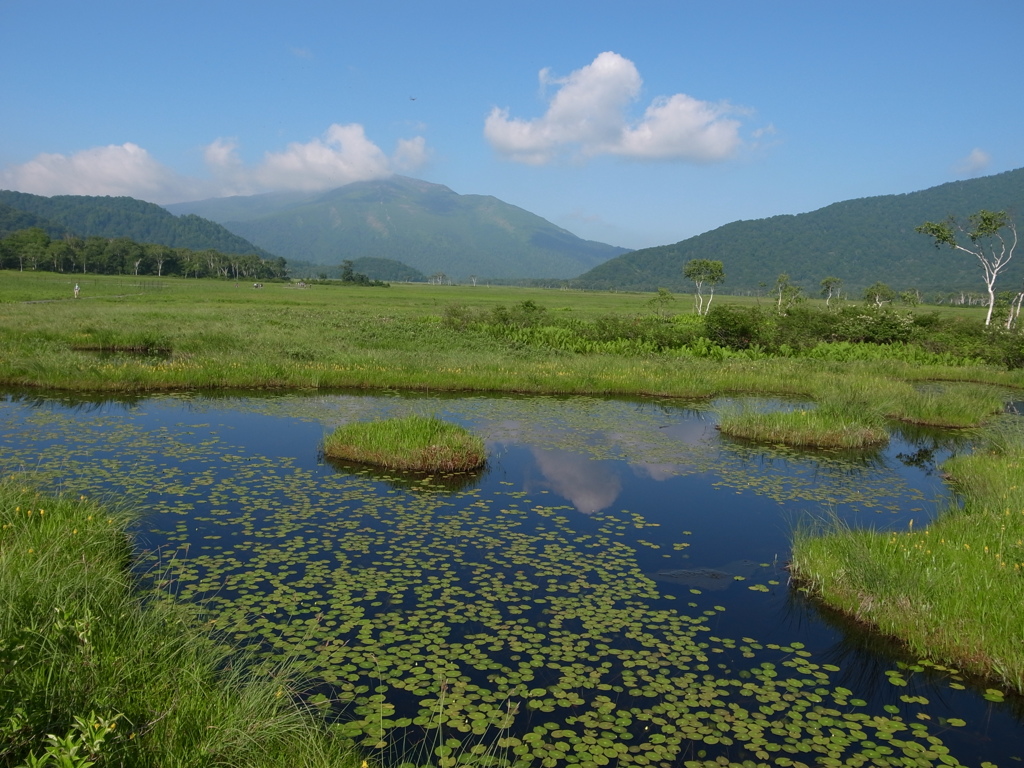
93	672
414	443
482	623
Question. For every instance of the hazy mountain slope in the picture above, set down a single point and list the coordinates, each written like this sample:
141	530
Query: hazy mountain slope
426	226
14	219
140	221
860	241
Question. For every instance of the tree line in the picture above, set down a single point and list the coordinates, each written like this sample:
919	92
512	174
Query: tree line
35	249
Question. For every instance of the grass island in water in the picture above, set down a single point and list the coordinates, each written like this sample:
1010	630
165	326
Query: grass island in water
411	444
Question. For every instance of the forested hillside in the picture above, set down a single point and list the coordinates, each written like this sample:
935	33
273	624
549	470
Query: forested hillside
14	219
859	241
427	226
113	217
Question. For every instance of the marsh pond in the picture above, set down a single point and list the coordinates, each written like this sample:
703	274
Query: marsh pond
610	590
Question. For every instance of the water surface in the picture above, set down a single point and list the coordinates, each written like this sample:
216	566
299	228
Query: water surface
611	589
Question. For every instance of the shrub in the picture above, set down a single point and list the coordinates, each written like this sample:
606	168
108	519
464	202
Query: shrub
740	327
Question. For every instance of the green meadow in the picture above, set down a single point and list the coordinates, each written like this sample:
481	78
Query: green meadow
950	591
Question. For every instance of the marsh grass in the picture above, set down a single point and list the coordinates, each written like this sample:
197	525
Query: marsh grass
952	590
77	641
830	427
412	444
950	405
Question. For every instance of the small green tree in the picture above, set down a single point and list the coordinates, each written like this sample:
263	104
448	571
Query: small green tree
701	272
911	297
988	244
878	294
660	302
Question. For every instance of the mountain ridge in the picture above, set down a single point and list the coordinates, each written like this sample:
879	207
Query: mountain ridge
861	241
427	226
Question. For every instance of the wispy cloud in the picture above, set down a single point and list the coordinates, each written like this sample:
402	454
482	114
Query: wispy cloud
343	154
588	116
975	162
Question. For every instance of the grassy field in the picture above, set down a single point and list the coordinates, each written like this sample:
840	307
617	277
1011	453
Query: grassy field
146	334
126	334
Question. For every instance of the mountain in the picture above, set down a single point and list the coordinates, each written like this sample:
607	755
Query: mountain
426	226
137	220
13	219
860	241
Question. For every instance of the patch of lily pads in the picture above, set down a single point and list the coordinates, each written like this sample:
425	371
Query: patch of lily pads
465	626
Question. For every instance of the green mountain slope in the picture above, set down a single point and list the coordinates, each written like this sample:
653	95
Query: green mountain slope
13	219
426	226
137	220
860	241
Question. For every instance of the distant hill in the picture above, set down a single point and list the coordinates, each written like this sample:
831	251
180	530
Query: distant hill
860	241
426	226
137	220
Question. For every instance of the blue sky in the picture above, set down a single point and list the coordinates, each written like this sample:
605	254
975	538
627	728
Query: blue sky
636	123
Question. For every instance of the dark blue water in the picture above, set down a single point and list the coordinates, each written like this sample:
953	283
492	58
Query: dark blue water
234	484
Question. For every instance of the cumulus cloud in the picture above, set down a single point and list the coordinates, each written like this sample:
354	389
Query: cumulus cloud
343	154
588	116
125	169
975	162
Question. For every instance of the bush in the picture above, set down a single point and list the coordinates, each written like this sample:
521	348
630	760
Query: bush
740	327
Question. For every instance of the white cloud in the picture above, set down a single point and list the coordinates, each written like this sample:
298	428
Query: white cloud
588	116
125	169
975	162
342	155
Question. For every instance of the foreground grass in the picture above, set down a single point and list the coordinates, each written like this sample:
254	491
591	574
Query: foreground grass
413	443
91	672
953	590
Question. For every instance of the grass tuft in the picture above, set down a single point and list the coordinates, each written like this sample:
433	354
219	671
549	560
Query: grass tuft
94	673
414	443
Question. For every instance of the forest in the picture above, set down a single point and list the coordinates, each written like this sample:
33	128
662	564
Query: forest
110	217
34	249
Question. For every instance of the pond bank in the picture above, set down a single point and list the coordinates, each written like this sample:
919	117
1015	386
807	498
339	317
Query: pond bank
119	678
951	590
